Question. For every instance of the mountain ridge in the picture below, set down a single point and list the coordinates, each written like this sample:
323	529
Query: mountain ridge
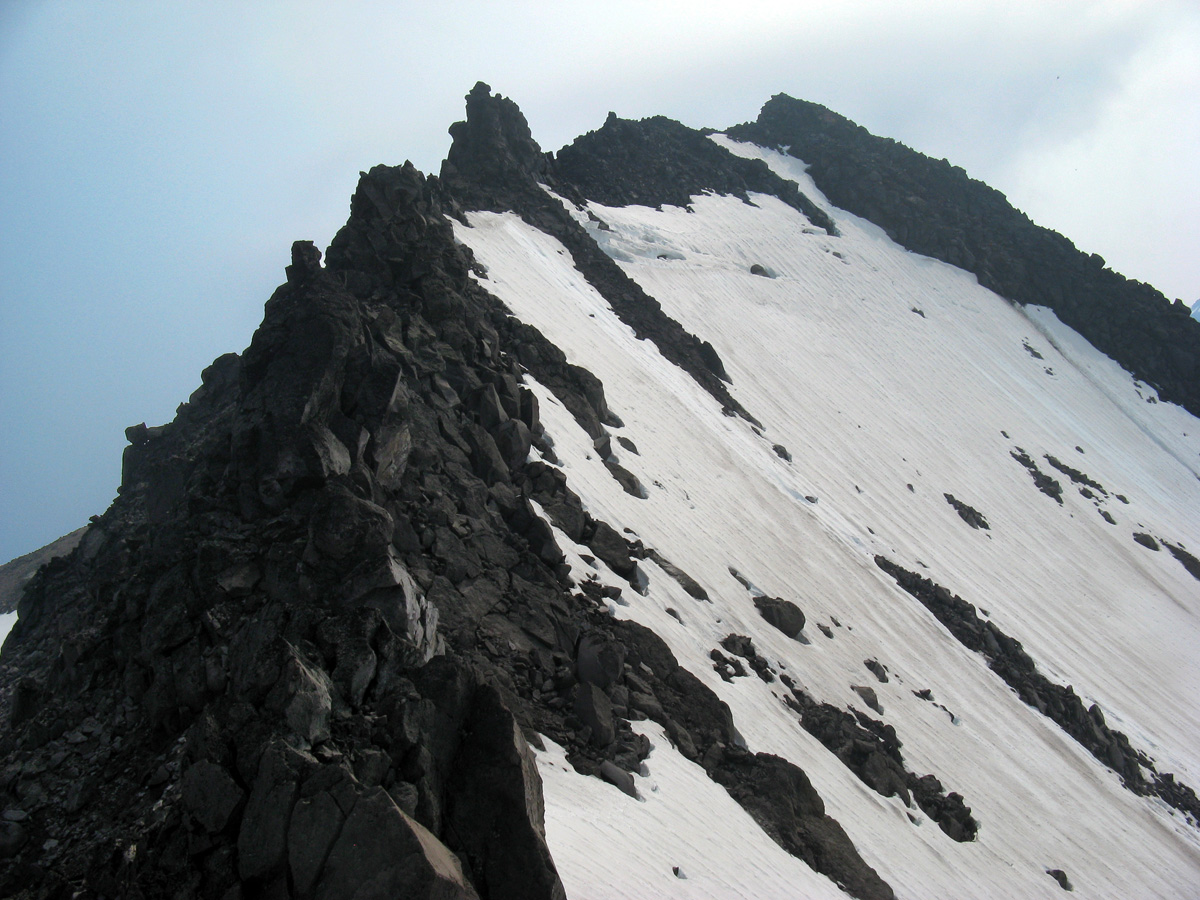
338	599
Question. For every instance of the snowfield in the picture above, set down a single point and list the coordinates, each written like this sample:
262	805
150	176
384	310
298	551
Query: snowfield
891	379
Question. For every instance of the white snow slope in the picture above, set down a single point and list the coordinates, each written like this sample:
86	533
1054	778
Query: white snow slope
883	409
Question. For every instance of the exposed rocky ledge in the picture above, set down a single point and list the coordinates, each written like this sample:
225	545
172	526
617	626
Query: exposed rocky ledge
1007	658
934	208
494	164
305	650
659	162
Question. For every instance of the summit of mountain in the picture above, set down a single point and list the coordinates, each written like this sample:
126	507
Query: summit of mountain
669	515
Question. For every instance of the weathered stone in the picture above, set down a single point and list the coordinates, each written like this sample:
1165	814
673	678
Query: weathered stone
869	696
315	824
210	795
262	838
783	614
13	836
513	440
607	544
391	446
878	669
1146	540
686	581
346	525
491	410
619	778
302	694
498	807
599	660
349	638
381	854
1061	877
594	710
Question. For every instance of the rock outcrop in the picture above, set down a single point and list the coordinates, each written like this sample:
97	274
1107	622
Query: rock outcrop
304	652
934	208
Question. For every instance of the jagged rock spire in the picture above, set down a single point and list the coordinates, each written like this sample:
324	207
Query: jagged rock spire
493	150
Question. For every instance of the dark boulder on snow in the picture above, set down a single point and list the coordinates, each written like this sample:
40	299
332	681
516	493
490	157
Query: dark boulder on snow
869	697
609	546
1146	540
878	669
968	514
686	581
1186	559
619	778
783	614
1061	877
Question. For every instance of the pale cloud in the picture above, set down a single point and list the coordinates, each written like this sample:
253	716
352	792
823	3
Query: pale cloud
1125	185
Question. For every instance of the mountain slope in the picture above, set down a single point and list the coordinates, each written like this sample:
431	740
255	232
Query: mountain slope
543	543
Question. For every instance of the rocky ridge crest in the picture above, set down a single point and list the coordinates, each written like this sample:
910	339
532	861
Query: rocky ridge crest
306	650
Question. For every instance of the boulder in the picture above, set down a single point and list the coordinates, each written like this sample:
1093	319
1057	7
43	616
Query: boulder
382	853
262	838
513	440
599	660
594	710
609	546
302	694
618	777
210	795
315	824
783	614
497	808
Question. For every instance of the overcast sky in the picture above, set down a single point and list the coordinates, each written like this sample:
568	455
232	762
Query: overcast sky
158	159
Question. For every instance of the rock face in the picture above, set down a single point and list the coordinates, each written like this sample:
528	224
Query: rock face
16	574
468	173
934	208
306	650
657	161
300	653
282	651
1008	659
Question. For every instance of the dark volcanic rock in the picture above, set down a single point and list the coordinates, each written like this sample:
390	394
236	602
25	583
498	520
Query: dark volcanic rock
968	514
658	162
1061	877
1189	562
1075	475
776	793
254	626
1008	659
383	852
1145	540
783	614
686	581
871	750
934	208
494	164
1043	482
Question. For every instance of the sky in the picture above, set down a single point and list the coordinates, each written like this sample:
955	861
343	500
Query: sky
157	160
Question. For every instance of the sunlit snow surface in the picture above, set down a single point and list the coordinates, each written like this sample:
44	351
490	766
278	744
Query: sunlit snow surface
871	397
7	621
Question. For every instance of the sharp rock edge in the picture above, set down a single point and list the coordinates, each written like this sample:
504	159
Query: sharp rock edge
487	571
